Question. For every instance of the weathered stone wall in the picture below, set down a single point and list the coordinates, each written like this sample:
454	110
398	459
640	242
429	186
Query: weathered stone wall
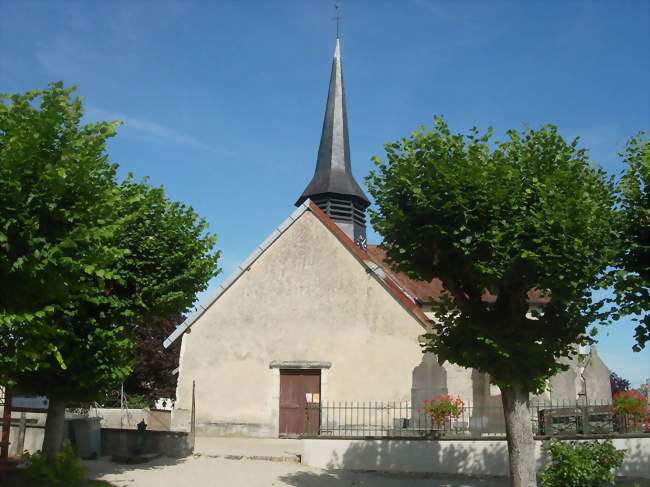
155	419
121	418
114	419
305	298
596	374
587	379
123	442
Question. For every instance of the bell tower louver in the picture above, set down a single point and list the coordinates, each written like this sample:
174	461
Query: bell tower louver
333	187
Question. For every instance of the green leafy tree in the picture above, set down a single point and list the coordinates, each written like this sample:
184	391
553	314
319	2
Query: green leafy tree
497	224
632	279
58	204
83	256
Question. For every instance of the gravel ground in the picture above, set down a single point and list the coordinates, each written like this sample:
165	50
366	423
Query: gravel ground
202	471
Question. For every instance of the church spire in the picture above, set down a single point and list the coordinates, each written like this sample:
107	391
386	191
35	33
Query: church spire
333	187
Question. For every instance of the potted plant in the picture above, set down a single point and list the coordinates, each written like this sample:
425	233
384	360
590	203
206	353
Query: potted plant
442	410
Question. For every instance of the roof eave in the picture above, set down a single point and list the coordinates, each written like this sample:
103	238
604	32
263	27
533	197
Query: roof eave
224	286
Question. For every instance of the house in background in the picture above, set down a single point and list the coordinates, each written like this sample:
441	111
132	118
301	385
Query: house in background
315	315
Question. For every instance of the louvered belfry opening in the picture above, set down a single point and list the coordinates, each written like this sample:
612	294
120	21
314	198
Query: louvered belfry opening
333	187
344	210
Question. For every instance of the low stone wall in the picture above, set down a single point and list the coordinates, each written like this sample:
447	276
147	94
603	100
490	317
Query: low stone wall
31	440
156	419
111	418
159	420
464	457
117	441
121	418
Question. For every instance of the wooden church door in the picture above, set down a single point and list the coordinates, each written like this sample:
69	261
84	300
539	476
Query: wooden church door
299	401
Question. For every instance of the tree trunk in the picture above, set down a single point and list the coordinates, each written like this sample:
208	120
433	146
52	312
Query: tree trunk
519	432
54	425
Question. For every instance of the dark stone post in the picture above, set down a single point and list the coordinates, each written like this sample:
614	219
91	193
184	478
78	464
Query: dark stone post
139	442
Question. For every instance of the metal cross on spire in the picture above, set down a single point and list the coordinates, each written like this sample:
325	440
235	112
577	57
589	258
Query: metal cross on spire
338	18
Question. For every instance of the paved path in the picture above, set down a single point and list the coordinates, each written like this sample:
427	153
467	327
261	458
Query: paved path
248	462
204	471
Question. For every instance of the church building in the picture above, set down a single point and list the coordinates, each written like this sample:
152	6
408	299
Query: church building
314	315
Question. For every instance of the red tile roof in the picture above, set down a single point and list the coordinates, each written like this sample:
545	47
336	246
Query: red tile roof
390	284
428	291
423	291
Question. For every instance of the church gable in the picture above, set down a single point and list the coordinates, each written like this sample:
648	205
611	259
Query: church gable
307	298
308	275
305	257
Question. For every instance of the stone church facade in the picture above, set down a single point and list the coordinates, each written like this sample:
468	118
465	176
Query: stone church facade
315	315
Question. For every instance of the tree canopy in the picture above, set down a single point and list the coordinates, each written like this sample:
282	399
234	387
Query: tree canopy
83	257
527	218
519	232
632	279
59	215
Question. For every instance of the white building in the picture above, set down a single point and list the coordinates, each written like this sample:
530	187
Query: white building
314	315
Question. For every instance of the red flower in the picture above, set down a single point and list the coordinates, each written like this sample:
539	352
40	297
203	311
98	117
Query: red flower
443	408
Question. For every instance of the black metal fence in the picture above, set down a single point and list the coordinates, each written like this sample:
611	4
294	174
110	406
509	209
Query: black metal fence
392	419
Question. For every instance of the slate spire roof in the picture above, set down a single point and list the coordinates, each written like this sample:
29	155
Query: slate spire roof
333	175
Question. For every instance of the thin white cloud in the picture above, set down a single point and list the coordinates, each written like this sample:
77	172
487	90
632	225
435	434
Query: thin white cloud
159	132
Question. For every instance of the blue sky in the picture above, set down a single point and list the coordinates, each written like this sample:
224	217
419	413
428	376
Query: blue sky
222	101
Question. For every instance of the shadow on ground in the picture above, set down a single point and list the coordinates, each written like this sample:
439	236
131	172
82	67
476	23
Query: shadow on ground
374	457
341	478
377	458
105	466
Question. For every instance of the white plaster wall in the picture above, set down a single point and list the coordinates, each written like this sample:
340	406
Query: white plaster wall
33	441
448	457
118	418
459	382
306	298
596	375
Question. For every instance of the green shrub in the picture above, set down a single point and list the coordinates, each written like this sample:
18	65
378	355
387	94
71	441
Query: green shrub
64	470
137	401
580	464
